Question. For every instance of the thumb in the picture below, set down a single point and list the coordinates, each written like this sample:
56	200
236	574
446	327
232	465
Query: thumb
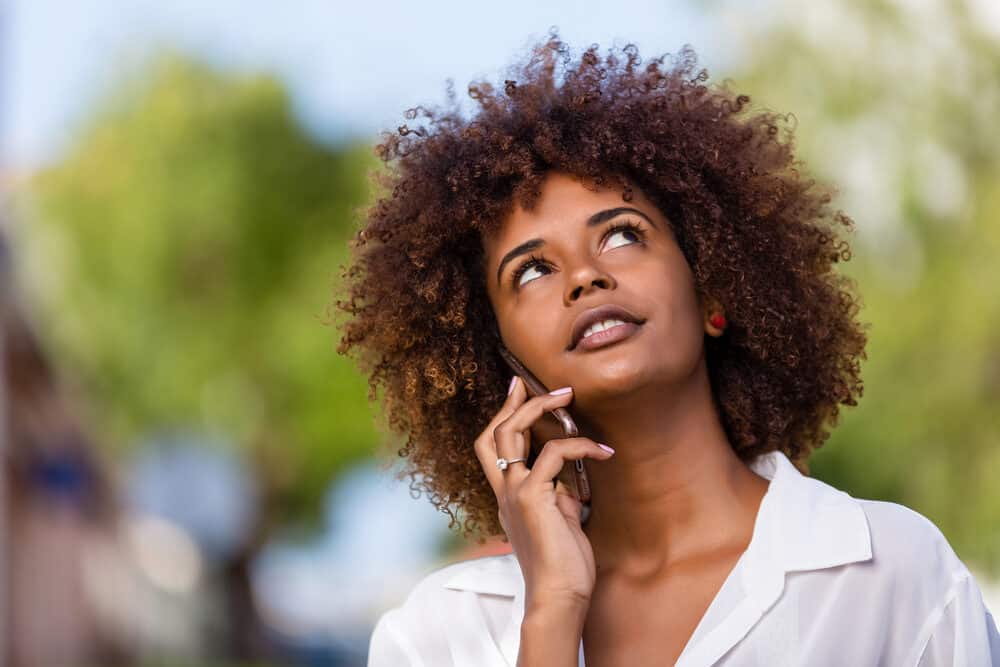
567	503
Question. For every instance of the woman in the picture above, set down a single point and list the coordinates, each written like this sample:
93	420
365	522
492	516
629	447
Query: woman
650	250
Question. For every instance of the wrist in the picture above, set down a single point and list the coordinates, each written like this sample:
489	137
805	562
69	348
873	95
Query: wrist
557	612
550	634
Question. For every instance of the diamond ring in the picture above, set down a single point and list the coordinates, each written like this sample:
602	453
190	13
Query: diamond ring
503	463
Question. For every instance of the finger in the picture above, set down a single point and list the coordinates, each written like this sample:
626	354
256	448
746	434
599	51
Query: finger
567	502
517	394
512	435
485	446
556	453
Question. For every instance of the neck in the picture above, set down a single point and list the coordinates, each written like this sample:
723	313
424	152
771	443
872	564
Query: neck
674	489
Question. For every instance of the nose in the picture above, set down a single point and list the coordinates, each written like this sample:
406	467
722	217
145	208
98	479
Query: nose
585	279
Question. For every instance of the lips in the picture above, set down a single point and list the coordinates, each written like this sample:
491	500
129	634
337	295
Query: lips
608	311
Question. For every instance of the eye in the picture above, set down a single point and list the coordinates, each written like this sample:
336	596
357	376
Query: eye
626	228
532	263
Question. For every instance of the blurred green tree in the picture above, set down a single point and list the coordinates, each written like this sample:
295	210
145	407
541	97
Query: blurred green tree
896	105
185	252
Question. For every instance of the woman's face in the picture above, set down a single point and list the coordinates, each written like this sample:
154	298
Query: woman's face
578	260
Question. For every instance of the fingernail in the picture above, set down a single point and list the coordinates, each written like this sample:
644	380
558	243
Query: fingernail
563	390
513	381
606	448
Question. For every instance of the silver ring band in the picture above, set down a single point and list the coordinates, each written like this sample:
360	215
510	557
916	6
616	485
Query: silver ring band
503	463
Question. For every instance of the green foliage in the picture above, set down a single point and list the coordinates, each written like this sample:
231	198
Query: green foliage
187	249
898	109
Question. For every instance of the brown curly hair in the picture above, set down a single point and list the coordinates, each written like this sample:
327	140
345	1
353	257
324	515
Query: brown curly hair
758	236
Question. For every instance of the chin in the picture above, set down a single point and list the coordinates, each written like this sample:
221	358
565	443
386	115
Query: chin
614	380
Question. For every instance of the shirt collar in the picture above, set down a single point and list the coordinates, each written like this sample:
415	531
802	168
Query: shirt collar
802	524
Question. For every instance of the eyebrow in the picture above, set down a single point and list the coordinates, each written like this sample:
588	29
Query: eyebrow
596	219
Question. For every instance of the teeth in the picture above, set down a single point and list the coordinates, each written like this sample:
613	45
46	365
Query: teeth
601	326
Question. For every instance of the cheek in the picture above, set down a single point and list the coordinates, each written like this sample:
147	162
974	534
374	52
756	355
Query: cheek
678	327
671	281
527	337
518	332
679	285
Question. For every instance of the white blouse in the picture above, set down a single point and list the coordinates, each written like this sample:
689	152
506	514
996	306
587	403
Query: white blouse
827	579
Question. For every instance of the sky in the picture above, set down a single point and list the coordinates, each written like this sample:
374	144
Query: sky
353	67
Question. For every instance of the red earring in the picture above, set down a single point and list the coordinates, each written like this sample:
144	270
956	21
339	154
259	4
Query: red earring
718	321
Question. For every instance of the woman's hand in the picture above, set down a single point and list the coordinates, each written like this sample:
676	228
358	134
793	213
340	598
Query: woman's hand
542	520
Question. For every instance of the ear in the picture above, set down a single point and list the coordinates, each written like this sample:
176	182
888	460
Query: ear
710	306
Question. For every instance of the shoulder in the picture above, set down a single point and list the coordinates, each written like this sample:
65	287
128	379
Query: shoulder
443	581
416	631
906	537
911	556
951	622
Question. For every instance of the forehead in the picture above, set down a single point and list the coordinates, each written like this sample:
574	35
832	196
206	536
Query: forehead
564	203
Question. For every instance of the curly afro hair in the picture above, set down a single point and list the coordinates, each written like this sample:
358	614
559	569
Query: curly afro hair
759	237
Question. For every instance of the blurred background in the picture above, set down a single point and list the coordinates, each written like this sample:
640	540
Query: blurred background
188	473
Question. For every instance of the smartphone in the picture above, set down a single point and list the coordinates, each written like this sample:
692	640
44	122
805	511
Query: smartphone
536	388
